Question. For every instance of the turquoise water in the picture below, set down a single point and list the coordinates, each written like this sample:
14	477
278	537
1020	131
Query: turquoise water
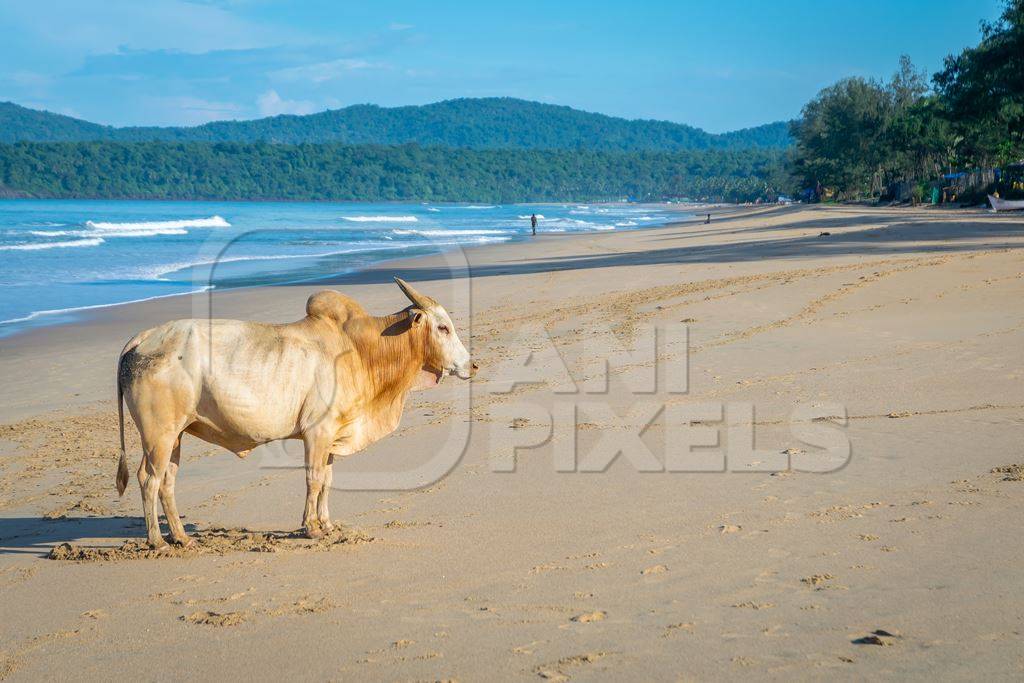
58	258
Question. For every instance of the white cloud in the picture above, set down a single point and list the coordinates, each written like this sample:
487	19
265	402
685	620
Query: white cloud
93	28
271	104
28	78
321	72
189	111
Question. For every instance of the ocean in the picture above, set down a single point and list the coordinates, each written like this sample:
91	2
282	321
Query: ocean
59	258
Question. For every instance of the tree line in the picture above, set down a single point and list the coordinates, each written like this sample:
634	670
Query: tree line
860	135
196	170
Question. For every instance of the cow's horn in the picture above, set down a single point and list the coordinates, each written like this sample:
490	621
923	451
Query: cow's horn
418	300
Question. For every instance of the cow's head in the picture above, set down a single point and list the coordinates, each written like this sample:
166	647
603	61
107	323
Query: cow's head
445	353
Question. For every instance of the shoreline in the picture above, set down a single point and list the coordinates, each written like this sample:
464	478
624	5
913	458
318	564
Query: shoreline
77	314
101	332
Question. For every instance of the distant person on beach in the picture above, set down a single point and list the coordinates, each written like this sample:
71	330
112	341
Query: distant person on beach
708	220
533	223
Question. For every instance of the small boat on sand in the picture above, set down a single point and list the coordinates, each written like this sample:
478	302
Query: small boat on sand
999	204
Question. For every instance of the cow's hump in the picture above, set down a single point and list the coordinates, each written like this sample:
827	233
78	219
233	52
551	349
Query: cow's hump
331	305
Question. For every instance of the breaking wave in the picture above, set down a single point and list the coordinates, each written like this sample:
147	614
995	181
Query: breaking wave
572	223
54	233
380	219
154	226
449	233
109	233
90	242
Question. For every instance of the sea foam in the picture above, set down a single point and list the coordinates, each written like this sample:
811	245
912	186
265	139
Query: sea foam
380	219
450	233
153	226
90	242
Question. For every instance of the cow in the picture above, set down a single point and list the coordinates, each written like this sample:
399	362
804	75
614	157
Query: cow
337	380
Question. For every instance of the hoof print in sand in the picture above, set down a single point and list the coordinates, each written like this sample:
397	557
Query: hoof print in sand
213	542
589	617
554	671
817	581
1010	472
215	618
879	637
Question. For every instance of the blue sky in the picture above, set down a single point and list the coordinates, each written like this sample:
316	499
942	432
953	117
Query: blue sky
720	65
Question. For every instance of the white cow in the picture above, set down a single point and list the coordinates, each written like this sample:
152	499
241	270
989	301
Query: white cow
337	379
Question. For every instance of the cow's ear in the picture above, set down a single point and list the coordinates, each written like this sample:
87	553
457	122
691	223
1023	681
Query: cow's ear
415	317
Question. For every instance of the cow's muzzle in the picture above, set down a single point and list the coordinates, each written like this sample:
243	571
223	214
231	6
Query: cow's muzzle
465	372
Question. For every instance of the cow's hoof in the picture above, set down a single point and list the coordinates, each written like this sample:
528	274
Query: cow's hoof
313	532
183	541
327	525
160	547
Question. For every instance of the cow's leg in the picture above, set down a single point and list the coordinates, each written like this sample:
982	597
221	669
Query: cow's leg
159	405
155	458
317	449
323	514
170	506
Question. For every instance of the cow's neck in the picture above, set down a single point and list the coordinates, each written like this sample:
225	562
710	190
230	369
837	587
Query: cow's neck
393	354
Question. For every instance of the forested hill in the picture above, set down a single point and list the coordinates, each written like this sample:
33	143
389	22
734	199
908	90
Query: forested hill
230	170
21	123
485	123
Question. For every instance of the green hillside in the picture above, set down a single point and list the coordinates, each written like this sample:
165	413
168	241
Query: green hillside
22	123
486	123
162	170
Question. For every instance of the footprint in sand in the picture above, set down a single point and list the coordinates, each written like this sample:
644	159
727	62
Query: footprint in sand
880	637
215	618
681	627
525	649
214	541
590	617
1010	472
553	672
817	579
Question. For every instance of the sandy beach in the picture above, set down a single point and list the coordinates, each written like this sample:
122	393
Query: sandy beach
900	556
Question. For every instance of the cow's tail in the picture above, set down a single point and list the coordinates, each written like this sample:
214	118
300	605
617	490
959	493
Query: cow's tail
122	464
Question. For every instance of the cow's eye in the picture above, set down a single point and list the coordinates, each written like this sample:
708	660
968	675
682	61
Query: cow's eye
443	329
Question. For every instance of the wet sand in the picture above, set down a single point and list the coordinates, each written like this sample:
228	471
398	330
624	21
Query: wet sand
902	559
